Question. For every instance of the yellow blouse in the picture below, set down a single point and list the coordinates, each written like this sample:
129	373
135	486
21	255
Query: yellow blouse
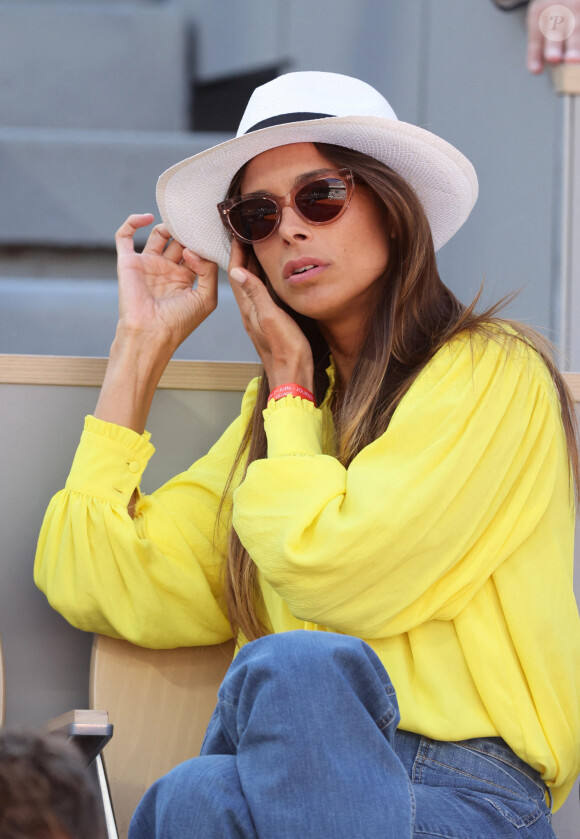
447	545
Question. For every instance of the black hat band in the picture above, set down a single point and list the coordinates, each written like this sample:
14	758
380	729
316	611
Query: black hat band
280	119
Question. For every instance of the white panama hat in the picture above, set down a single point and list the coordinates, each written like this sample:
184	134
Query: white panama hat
316	107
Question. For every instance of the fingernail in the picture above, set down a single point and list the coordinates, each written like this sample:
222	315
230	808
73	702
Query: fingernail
535	66
238	275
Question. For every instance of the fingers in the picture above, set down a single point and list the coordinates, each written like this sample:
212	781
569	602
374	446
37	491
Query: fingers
245	290
279	341
207	276
258	310
239	255
265	322
552	38
201	267
159	242
240	278
124	235
245	285
553	51
572	52
535	54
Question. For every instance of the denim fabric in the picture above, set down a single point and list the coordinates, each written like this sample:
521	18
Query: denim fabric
304	744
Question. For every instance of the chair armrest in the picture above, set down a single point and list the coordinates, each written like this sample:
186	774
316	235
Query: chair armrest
89	730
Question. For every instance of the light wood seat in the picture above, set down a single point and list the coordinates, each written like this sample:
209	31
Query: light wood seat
160	702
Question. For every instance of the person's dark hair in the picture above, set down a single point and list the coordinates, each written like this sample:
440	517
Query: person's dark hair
416	315
45	790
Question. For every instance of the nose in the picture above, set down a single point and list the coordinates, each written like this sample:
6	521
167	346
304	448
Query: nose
292	226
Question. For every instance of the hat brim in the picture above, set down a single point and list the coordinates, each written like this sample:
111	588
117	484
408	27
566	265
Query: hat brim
442	177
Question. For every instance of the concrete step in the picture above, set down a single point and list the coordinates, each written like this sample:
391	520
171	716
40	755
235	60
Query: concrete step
93	65
74	188
52	316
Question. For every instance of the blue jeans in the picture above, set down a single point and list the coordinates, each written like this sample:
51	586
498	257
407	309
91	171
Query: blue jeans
304	744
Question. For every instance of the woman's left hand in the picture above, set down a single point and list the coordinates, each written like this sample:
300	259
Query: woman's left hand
279	341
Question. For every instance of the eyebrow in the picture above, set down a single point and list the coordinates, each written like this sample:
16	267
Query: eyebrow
303	178
309	175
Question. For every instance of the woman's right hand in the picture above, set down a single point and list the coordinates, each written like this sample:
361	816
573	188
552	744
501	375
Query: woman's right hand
159	297
160	304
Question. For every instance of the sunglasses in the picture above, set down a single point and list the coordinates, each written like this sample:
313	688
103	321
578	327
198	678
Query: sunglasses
254	217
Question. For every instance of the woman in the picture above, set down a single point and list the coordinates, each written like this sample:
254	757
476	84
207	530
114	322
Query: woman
401	474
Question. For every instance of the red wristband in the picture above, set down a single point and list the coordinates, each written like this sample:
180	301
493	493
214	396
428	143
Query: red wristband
292	390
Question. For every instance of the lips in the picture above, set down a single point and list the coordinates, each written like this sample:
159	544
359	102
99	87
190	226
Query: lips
297	267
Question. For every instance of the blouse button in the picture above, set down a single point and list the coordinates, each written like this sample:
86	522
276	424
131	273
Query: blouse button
134	466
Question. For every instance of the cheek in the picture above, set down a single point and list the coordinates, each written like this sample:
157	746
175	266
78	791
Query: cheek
382	254
261	254
376	246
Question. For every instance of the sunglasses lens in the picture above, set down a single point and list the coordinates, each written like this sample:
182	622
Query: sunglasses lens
322	200
254	218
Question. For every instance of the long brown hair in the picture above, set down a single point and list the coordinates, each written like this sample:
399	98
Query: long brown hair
415	316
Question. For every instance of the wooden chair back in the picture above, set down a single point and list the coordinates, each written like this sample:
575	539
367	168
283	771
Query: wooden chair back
573	382
160	702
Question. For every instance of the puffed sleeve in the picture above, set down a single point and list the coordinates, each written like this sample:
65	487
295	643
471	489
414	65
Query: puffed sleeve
422	516
154	580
